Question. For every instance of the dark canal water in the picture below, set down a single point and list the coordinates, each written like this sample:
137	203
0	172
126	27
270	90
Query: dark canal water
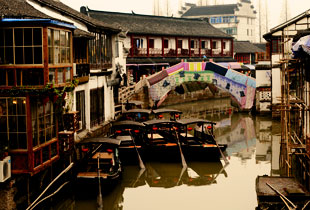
253	149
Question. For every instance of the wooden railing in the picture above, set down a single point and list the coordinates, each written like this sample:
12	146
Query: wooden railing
125	93
169	52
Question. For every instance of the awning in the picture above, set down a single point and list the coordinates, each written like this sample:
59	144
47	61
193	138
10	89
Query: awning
251	67
230	65
43	21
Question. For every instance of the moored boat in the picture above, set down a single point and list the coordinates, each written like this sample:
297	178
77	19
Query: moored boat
274	192
131	134
171	114
99	164
197	139
139	115
161	143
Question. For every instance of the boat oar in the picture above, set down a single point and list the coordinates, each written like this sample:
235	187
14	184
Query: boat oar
181	175
139	157
179	144
221	152
283	198
99	198
142	170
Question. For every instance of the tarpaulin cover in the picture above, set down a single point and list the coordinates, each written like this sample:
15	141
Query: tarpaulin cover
302	45
216	68
157	77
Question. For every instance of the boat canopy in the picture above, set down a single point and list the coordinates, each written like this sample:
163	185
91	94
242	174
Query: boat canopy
147	111
101	140
194	120
158	121
159	111
128	123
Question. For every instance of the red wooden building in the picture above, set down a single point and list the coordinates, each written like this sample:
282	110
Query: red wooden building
35	71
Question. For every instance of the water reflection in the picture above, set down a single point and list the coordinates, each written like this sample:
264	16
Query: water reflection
253	149
156	175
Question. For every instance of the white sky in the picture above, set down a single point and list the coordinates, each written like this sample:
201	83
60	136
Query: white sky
146	6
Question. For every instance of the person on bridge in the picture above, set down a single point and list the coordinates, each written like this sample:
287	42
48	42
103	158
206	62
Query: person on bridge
125	80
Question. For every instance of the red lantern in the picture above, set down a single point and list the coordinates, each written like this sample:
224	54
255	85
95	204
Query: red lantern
189	128
136	131
118	131
155	128
84	149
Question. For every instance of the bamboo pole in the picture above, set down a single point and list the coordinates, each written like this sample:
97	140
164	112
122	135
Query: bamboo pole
64	171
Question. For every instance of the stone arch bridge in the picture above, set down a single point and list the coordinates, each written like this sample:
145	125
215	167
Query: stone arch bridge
240	86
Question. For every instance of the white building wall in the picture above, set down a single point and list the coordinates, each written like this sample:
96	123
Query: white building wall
94	81
246	22
276	85
157	43
121	59
263	78
246	26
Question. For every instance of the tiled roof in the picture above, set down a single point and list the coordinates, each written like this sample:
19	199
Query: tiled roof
261	45
246	47
66	10
19	9
158	25
224	9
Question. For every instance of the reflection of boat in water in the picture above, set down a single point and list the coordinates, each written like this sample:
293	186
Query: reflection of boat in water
206	172
164	175
167	175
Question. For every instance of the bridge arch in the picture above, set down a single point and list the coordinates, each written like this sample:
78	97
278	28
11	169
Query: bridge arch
240	86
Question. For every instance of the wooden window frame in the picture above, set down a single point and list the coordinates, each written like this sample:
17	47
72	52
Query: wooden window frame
35	119
151	43
17	116
23	46
54	46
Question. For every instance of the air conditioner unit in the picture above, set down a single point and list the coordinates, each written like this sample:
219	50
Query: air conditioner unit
5	169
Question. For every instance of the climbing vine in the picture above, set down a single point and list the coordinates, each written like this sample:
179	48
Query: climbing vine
49	92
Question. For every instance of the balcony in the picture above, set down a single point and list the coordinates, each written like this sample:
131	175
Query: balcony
169	52
82	72
262	56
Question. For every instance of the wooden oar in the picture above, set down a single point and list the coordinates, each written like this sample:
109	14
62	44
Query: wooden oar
142	170
99	198
282	197
139	157
222	154
182	156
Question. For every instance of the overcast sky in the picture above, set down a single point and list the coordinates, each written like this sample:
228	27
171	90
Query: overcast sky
146	6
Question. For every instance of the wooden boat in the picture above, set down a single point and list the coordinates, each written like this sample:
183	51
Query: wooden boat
161	142
99	162
272	191
133	104
138	115
198	142
171	114
131	134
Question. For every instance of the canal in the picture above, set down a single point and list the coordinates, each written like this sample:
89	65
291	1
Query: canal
253	149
